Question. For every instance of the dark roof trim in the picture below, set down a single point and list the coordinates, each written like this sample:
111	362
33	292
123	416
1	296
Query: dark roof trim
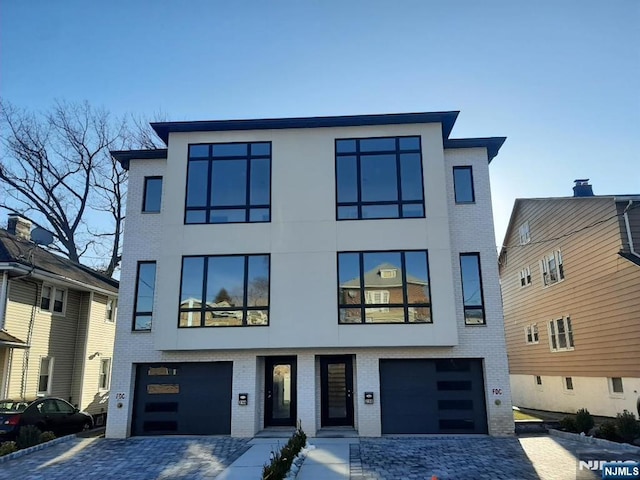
447	119
492	144
632	258
125	156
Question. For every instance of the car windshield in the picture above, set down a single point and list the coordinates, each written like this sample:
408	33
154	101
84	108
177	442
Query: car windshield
12	406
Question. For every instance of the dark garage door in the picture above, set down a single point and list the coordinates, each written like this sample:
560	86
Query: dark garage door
432	396
183	399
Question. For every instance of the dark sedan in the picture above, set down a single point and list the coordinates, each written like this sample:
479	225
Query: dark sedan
48	414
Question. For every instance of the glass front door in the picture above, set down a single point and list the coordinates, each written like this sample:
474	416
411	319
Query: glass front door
337	391
280	391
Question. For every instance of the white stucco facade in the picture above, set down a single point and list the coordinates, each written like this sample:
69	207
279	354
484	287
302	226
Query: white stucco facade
302	239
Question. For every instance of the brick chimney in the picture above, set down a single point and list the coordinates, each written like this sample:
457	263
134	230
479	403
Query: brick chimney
582	188
18	226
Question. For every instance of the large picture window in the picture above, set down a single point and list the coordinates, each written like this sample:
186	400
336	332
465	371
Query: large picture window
384	287
224	291
472	289
229	183
379	178
145	291
560	334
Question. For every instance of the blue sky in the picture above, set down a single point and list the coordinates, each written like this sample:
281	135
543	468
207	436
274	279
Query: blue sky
560	79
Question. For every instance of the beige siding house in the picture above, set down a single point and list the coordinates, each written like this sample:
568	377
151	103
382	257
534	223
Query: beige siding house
57	325
570	276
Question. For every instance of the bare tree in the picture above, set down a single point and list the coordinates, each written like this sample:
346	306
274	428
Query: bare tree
56	171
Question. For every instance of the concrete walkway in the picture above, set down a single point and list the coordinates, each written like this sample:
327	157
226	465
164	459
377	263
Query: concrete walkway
328	461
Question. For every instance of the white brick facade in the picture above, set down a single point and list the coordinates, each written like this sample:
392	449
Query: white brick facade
303	238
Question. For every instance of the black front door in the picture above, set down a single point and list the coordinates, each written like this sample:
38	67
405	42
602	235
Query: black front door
336	376
280	391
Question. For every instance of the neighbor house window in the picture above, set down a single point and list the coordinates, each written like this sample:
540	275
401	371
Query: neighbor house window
538	380
45	375
531	333
379	178
224	291
525	276
523	233
472	289
561	334
552	268
463	185
615	385
152	194
568	383
145	290
110	310
384	287
229	183
53	299
105	373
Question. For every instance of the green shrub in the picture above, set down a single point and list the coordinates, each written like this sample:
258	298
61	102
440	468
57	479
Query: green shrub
47	437
583	421
607	430
28	436
568	424
281	460
627	426
7	447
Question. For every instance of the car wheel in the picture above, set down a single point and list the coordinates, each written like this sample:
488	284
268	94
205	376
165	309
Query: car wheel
86	426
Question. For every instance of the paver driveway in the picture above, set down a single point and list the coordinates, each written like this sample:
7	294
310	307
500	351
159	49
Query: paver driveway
160	458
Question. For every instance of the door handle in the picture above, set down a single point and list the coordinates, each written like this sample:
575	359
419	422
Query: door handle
348	393
268	394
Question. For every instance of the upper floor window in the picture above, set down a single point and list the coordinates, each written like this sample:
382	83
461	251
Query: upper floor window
145	291
525	276
463	184
552	268
53	299
110	310
152	194
229	183
224	291
379	178
384	287
532	334
560	334
523	233
472	289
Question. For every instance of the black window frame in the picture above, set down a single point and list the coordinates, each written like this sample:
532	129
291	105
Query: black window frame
455	189
144	197
136	313
359	203
245	308
473	306
404	305
247	207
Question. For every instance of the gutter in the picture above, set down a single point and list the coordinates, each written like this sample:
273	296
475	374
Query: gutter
628	228
55	278
3	297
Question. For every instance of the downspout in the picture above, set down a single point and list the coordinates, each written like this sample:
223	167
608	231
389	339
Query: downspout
3	297
628	227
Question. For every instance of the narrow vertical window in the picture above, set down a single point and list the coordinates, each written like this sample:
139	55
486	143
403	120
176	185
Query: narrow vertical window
105	373
568	383
110	310
523	233
44	378
145	290
152	194
463	185
472	289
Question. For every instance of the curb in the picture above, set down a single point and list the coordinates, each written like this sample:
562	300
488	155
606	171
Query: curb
35	448
601	442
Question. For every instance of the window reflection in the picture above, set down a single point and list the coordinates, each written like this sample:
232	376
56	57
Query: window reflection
235	289
472	288
383	287
145	290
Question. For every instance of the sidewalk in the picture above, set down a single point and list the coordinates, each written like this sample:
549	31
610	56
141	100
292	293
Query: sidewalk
328	461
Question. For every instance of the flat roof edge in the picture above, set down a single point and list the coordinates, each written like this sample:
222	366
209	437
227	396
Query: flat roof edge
125	156
492	144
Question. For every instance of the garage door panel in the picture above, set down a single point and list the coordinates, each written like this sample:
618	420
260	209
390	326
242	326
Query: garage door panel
185	398
432	396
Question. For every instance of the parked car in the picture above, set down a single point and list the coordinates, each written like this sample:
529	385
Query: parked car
48	414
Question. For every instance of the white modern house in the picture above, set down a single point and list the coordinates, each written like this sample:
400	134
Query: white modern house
336	271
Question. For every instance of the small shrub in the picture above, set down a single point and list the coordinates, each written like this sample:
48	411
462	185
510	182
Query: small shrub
584	421
568	424
607	430
28	436
627	426
7	447
281	460
47	437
